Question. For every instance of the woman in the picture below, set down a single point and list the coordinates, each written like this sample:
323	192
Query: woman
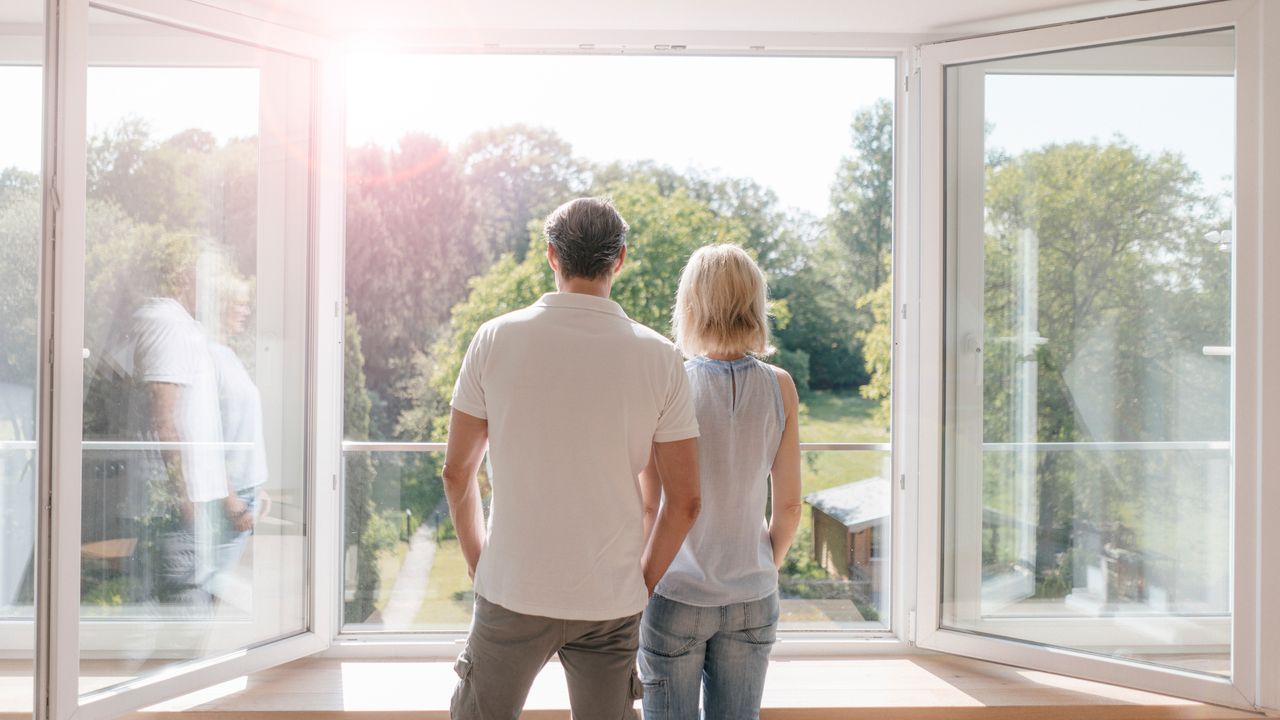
240	409
712	619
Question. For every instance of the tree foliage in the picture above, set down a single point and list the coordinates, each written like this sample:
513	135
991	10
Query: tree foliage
1107	241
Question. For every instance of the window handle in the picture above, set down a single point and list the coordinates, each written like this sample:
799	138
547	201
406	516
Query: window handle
970	344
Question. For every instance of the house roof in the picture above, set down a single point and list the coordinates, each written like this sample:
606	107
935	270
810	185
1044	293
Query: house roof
855	504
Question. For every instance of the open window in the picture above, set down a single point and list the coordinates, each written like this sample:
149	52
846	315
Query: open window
447	190
1079	200
181	285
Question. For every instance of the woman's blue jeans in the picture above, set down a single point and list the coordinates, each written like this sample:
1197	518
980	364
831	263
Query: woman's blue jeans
721	651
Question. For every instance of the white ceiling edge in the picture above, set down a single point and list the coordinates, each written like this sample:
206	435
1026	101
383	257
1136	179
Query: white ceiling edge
636	42
1090	10
632	40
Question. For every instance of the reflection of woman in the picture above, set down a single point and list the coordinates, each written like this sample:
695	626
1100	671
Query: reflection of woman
246	459
712	619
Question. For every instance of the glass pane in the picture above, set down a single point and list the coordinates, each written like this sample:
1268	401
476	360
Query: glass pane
1090	350
428	587
21	132
836	575
193	539
447	190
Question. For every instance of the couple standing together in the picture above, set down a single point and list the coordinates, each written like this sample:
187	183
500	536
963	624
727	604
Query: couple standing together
629	488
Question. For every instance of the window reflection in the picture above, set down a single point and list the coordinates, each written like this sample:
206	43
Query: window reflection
1090	474
194	417
21	78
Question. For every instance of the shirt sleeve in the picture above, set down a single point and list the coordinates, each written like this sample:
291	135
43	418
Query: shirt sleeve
679	418
468	391
165	354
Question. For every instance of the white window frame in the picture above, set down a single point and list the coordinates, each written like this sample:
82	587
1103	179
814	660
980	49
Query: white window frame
1242	689
917	367
58	647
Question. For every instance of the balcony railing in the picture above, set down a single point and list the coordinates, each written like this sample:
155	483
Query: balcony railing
377	446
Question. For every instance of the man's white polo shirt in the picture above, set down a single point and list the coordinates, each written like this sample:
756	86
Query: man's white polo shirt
575	393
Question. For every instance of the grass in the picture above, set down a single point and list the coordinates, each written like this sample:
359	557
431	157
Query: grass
389	562
840	416
447	605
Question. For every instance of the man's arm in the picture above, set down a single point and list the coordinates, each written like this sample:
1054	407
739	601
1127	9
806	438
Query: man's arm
785	474
650	495
677	468
468	436
164	399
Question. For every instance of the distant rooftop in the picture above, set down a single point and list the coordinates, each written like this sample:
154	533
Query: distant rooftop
856	504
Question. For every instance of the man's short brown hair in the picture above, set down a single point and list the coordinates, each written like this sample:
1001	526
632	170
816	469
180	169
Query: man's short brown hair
588	235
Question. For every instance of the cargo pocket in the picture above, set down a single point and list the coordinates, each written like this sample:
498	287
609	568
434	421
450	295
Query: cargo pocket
463	704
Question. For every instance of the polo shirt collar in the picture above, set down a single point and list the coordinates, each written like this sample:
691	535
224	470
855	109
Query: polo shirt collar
579	301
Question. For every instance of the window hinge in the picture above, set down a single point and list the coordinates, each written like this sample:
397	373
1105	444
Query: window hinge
904	311
902	481
906	83
335	481
54	196
911	627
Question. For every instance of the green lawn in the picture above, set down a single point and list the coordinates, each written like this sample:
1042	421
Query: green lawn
844	416
448	601
839	416
389	562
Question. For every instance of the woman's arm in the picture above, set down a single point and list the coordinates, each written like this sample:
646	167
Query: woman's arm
785	474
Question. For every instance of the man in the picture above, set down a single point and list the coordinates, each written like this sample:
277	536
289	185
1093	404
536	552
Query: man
176	402
573	398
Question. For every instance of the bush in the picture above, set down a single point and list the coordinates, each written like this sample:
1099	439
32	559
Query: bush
795	362
383	532
444	531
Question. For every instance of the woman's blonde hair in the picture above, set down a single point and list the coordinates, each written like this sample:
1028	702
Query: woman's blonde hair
722	305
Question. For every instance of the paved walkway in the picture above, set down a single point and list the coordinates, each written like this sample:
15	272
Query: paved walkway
411	582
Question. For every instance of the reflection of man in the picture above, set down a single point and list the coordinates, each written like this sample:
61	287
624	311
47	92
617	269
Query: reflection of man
572	397
173	370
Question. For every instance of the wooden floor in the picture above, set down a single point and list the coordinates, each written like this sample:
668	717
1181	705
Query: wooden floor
923	686
929	687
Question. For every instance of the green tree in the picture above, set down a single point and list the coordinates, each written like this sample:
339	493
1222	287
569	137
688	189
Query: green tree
358	479
516	175
665	229
877	348
1127	293
861	217
850	260
166	183
411	246
20	218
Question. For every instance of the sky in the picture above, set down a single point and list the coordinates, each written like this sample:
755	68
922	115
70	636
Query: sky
782	121
1194	116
